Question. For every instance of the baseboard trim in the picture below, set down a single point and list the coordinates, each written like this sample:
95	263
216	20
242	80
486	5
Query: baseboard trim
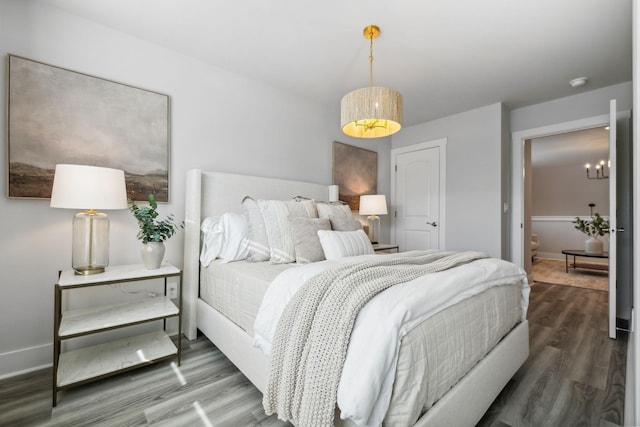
550	255
25	360
623	324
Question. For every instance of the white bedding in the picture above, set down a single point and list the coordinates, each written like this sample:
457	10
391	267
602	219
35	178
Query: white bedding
365	387
236	289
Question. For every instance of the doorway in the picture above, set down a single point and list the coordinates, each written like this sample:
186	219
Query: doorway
563	188
620	292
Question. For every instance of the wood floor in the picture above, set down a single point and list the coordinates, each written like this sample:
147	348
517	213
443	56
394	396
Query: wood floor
574	376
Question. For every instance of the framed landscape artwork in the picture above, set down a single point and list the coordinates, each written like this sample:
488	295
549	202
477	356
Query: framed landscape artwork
355	171
58	116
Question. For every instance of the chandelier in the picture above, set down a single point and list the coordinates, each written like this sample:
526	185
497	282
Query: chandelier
600	170
371	112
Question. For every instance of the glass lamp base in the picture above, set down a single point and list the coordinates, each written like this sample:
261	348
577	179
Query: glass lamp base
90	242
374	228
85	271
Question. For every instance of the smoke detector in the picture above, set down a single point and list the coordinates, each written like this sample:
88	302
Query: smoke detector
578	81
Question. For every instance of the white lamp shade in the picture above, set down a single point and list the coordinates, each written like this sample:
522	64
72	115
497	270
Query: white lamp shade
88	187
371	112
374	204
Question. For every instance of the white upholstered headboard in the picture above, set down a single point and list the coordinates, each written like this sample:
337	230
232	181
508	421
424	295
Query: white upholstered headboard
213	193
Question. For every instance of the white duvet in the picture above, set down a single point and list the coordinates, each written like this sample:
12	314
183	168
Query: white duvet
366	384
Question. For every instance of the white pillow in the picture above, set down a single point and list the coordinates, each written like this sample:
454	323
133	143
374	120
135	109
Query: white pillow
339	244
259	249
276	221
224	237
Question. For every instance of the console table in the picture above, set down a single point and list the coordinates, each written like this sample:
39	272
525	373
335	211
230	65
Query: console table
576	252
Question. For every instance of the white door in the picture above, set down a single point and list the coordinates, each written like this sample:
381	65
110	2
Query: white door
612	219
417	199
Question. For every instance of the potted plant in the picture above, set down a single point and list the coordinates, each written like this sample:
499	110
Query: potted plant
594	227
153	231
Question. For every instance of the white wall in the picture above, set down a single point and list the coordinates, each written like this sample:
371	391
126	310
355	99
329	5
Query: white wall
474	179
563	189
505	190
219	121
586	104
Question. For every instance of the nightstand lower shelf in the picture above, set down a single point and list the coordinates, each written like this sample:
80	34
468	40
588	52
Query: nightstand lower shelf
90	363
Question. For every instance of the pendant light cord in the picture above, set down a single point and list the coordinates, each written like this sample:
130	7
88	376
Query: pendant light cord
371	58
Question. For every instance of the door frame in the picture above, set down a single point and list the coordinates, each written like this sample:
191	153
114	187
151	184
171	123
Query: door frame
517	174
440	143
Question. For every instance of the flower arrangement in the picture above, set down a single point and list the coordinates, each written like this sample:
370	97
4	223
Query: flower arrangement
151	228
596	226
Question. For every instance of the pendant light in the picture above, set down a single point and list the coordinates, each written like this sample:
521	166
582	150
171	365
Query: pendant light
371	112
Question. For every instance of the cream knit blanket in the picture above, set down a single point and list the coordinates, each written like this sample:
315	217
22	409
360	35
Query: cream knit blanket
310	343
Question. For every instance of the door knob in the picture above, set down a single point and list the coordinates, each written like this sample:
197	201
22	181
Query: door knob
433	224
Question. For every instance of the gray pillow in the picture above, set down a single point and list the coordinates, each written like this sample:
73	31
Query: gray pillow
326	210
342	223
306	240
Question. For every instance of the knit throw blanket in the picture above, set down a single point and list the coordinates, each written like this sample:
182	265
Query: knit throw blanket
310	343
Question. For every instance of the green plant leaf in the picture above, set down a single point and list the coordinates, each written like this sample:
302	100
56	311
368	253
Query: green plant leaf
151	228
596	226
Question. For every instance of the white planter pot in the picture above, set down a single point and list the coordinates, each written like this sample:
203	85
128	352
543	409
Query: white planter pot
152	254
593	246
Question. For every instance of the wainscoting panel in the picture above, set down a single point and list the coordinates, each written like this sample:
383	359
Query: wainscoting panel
556	233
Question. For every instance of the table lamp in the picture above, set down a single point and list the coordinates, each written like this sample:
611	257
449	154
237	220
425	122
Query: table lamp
333	193
90	188
373	205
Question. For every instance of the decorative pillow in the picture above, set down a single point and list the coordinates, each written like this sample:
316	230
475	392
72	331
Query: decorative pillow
325	210
302	208
224	237
342	223
276	220
306	240
259	249
339	244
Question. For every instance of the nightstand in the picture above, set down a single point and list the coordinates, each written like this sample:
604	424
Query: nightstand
385	247
80	366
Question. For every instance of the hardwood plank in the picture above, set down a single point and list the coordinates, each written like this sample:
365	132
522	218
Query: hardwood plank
613	406
576	404
541	387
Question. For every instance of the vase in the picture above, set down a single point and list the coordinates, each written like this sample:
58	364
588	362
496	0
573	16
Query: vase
593	245
152	254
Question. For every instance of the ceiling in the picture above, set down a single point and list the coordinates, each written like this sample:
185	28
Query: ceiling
444	56
579	147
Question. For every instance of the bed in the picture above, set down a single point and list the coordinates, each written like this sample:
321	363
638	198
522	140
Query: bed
463	403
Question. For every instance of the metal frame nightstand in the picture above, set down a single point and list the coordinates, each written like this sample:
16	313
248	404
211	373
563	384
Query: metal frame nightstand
80	366
385	247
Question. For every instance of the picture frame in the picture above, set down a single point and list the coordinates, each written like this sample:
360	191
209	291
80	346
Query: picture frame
59	116
355	171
